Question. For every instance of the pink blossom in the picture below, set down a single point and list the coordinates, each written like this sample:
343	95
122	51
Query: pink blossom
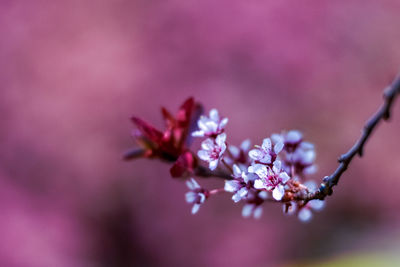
265	154
212	150
240	184
253	207
196	196
210	126
300	155
272	179
305	213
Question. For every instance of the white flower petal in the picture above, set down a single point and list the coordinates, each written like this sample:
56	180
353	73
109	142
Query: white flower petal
232	186
263	195
278	147
236	197
223	148
256	154
201	123
293	136
212	127
266	159
190	185
213	164
202	197
278	192
223	123
245	146
204	155
258	184
284	177
237	172
242	192
305	215
257	212
195	208
190	197
220	140
214	114
194	183
306	146
261	170
317	204
207	144
310	169
308	157
198	134
277	138
267	145
247	210
277	166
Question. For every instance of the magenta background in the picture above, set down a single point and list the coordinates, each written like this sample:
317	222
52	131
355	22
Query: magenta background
73	72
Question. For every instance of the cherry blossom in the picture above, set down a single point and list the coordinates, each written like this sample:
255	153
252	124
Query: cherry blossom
196	196
210	126
272	179
265	154
212	150
305	213
253	206
300	155
240	184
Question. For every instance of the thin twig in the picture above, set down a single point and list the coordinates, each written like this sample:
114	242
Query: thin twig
344	161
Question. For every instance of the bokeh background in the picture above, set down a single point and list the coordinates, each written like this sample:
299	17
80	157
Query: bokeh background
73	72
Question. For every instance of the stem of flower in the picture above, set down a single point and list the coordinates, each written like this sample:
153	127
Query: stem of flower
216	191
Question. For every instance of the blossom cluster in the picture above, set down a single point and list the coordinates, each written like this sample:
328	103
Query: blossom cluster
274	171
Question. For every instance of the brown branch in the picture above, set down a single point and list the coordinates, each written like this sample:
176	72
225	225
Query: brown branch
206	173
344	161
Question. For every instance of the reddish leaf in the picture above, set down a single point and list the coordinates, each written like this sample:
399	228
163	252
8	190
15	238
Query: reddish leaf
148	131
184	166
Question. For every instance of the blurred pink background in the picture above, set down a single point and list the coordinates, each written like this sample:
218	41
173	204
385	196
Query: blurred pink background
72	73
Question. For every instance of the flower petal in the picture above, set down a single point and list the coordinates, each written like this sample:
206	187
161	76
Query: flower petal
213	164
194	183
277	166
232	186
258	184
204	155
214	114
317	204
257	212
223	123
202	197
256	154
245	146
293	136
207	144
190	197
278	147
267	145
305	215
284	177
234	150
198	134
221	138
242	192
236	198
278	192
247	210
195	208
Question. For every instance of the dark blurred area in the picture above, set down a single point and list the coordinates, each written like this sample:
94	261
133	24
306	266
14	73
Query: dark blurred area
72	73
